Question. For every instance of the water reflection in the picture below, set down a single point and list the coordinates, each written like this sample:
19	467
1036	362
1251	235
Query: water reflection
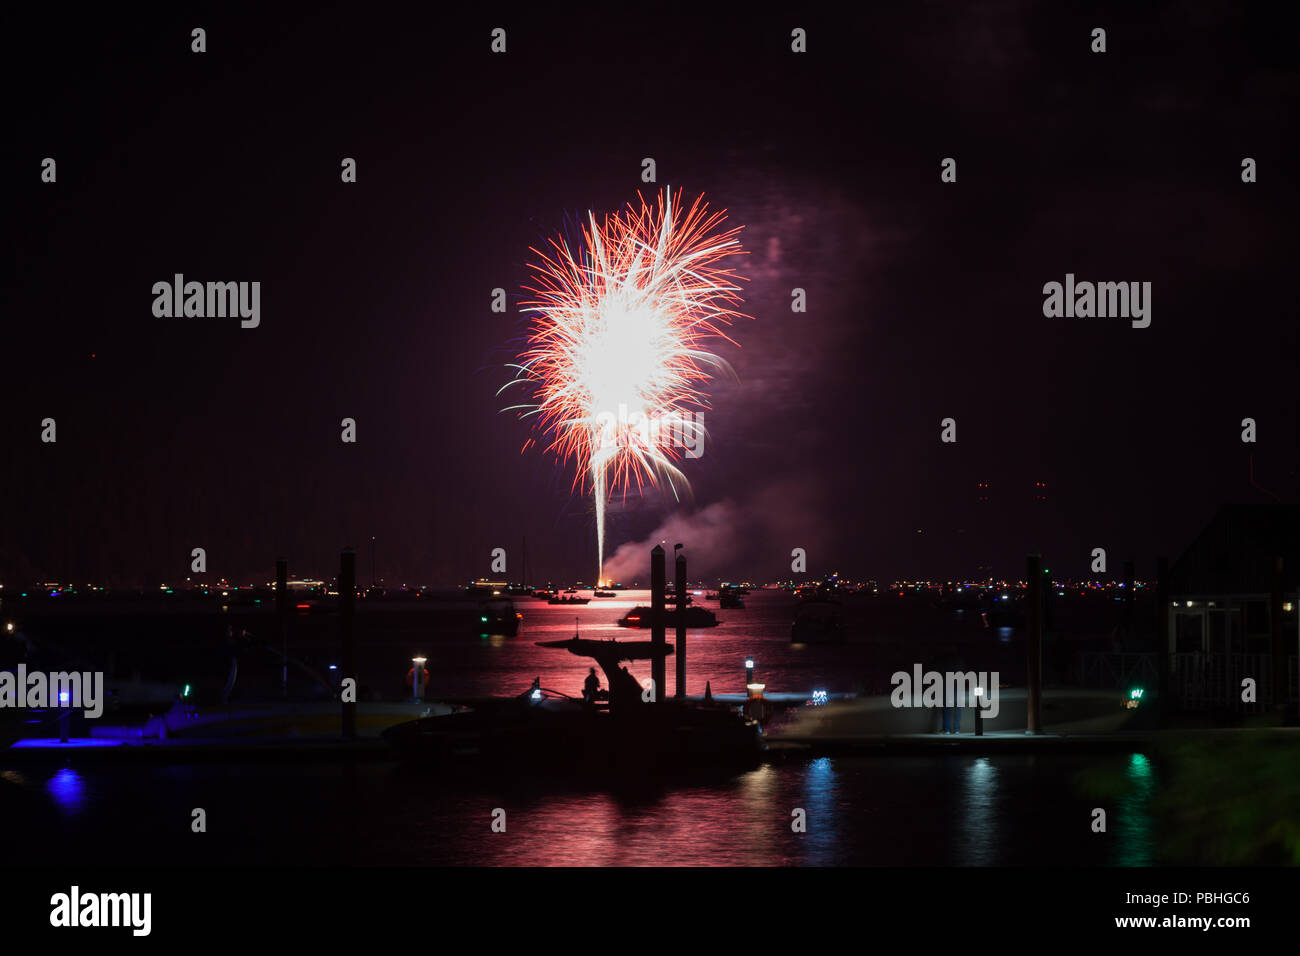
1134	843
823	836
68	790
978	842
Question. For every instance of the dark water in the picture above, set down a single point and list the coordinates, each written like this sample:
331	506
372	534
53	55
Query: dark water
873	811
879	811
883	637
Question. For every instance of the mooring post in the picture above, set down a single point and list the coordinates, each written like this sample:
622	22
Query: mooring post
347	605
658	645
1162	634
680	649
282	618
1278	648
1034	598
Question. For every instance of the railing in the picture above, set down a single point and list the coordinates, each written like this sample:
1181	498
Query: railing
1118	671
1197	681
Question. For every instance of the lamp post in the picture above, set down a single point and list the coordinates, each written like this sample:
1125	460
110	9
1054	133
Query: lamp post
417	673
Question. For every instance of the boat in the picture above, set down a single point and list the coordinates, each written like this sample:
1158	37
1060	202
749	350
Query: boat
604	594
498	616
544	730
641	616
566	599
818	622
731	600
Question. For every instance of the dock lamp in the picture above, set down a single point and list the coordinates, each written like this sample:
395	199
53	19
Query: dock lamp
749	670
417	675
65	716
979	712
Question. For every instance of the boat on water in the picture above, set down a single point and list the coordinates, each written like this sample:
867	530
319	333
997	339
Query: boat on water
731	600
604	594
498	616
695	617
818	622
567	599
623	734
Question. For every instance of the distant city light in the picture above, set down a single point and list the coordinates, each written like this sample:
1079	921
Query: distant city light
819	697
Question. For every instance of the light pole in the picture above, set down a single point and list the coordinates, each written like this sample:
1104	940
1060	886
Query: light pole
416	673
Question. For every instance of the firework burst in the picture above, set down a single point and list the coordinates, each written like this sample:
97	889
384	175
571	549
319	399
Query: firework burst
617	352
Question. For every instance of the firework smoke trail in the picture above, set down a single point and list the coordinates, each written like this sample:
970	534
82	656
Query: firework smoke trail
616	352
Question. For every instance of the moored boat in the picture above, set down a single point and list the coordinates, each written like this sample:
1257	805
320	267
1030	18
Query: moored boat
641	616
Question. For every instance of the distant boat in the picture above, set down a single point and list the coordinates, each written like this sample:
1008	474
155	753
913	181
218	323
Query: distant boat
731	600
818	622
565	599
604	594
498	616
695	617
710	596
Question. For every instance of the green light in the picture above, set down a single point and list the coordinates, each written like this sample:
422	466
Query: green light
482	619
186	691
1135	693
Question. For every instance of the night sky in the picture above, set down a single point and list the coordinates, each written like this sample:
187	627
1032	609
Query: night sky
924	298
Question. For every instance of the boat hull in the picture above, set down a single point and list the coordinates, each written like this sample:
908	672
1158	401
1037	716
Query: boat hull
566	737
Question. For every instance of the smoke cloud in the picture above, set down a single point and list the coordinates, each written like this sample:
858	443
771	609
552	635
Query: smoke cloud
732	540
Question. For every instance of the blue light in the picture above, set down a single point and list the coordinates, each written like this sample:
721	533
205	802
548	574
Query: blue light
63	697
334	667
537	695
68	790
819	697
